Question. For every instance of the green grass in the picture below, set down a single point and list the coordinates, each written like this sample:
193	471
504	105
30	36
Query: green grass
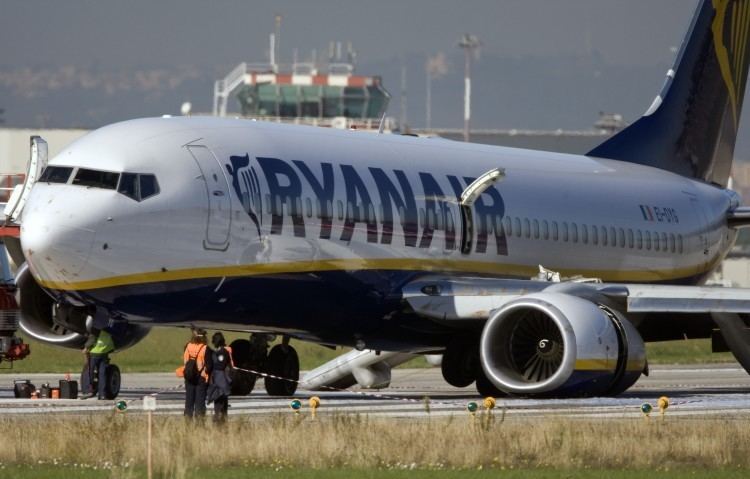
161	351
54	472
688	351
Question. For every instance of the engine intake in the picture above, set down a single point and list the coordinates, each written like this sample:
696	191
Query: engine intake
61	324
561	345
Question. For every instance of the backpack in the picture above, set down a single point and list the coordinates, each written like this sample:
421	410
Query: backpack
192	374
222	361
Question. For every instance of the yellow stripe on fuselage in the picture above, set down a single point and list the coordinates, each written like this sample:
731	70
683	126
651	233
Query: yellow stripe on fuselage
391	264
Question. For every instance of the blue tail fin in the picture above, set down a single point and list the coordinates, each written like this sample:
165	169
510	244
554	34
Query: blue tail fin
691	127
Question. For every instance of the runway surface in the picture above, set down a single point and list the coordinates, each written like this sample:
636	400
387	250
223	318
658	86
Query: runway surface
715	390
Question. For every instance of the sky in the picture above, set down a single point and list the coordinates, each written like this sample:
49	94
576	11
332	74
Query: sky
175	32
543	63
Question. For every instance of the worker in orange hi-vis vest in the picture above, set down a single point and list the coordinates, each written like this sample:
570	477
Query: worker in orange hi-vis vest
196	369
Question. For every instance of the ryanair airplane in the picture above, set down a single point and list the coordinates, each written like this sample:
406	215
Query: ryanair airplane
534	273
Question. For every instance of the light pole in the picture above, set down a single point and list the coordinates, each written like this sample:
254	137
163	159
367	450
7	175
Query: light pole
469	43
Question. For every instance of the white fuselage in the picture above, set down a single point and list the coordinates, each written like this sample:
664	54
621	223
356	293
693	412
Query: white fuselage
241	199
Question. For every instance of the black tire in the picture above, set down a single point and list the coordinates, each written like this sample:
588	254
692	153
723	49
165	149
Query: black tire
282	362
460	363
242	382
112	388
485	387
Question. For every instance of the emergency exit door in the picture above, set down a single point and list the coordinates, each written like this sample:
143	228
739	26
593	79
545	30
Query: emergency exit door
219	207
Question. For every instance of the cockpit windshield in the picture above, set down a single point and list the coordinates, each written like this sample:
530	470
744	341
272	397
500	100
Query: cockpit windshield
56	174
138	186
95	178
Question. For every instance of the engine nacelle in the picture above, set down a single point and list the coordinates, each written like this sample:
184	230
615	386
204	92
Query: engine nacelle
61	324
557	344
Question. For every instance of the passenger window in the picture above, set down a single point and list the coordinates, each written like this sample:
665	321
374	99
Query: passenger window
656	241
545	229
594	236
565	231
664	242
536	229
574	233
604	236
56	174
584	234
612	236
508	226
96	179
621	237
526	228
631	241
647	238
679	244
517	226
639	239
554	231
672	243
340	207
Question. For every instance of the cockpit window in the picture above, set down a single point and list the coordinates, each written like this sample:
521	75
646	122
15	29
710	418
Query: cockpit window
97	179
138	186
56	174
129	185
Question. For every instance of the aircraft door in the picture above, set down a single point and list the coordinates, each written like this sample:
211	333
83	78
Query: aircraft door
219	217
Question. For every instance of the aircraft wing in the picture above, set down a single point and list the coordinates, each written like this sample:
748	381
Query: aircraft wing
446	298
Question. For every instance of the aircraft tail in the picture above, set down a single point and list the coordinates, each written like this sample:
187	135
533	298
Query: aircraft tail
691	127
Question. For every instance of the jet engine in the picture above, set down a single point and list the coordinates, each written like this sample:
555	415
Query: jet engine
553	344
60	324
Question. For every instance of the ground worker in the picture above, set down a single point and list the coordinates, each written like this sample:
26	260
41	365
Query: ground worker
98	346
220	384
195	370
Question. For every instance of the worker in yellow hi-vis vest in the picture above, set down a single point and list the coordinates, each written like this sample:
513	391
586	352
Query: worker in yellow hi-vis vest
98	347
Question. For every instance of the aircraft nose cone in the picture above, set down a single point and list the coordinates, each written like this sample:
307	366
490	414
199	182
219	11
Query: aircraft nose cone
55	247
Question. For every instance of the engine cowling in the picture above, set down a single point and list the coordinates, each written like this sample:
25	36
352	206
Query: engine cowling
63	325
554	344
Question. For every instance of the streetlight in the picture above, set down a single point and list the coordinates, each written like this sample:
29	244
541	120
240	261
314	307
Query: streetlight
469	43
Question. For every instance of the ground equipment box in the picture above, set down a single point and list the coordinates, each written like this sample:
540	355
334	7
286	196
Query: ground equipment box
23	388
68	389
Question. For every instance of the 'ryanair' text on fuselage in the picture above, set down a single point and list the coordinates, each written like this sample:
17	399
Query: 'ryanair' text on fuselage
420	216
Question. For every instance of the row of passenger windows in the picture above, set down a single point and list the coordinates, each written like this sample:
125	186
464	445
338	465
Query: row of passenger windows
513	226
137	186
593	234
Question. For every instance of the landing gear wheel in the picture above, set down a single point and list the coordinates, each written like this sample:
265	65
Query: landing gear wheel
460	364
243	382
284	363
113	380
485	386
112	386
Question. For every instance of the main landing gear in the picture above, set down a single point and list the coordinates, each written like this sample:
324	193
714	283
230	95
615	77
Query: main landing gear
90	382
461	367
281	363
